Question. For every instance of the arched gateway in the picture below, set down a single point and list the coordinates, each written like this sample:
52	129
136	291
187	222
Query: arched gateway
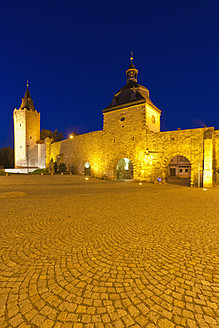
87	169
124	169
179	170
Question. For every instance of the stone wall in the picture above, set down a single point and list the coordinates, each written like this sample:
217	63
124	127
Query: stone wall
152	119
32	136
123	129
126	135
85	148
41	155
150	155
19	138
216	155
26	134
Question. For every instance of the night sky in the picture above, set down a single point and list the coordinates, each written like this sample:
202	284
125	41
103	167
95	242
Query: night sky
75	54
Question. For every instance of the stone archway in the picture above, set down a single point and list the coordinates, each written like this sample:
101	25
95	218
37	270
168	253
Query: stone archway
124	169
179	170
87	169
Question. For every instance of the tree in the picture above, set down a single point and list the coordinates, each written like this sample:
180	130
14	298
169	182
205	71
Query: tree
57	136
7	157
62	167
52	135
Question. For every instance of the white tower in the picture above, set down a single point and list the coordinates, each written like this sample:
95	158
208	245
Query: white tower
26	133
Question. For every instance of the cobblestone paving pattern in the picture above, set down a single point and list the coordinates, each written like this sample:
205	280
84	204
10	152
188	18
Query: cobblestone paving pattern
94	254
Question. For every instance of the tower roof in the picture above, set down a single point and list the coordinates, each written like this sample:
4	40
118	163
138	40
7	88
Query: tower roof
132	65
27	101
132	93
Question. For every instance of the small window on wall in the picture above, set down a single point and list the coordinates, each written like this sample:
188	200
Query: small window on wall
30	137
186	170
180	170
153	119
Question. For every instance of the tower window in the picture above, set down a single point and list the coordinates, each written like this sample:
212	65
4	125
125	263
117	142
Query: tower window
30	137
20	124
153	119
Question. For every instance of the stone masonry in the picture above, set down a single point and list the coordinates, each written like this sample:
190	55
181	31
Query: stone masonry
131	129
26	133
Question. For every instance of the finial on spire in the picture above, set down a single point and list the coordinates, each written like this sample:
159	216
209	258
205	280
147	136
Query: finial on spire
131	58
27	83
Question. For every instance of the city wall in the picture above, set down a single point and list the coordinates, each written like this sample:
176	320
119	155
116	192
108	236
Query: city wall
216	156
85	148
150	154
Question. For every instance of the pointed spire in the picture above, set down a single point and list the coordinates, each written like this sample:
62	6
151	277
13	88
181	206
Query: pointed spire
132	71
27	101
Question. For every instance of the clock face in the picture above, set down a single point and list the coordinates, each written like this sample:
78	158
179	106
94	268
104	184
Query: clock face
153	119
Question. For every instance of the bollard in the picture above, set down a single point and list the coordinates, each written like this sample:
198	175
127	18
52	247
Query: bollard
51	173
6	174
61	173
41	173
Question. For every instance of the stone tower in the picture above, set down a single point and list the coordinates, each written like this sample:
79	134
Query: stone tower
131	110
26	133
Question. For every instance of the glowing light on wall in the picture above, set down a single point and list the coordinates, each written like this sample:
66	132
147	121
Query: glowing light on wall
126	163
86	165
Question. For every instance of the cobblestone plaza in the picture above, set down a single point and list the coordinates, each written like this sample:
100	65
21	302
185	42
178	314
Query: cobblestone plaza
97	253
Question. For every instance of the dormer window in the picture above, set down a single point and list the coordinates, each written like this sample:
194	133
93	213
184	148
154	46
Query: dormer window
114	101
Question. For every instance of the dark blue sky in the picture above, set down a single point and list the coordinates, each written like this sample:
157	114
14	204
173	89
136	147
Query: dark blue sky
75	55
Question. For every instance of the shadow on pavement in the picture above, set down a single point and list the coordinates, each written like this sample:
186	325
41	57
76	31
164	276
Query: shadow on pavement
179	181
